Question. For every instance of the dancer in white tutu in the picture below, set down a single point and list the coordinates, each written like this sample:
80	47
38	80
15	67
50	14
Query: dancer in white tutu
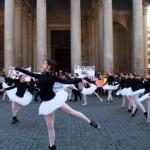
137	89
110	85
133	88
146	97
122	85
8	81
19	95
51	101
88	89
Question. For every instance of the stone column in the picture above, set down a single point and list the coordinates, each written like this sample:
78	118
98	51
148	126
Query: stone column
100	34
34	44
145	37
138	52
108	36
30	41
89	32
75	33
25	38
41	32
9	34
18	33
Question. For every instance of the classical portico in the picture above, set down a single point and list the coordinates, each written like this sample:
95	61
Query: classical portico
106	33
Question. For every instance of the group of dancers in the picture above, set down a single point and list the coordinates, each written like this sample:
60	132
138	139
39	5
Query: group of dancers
133	88
18	93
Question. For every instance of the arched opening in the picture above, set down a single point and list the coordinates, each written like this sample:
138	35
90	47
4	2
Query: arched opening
59	48
121	48
60	42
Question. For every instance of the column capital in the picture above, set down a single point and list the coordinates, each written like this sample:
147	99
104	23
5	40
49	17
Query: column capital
145	10
146	2
30	17
24	11
98	2
18	3
92	13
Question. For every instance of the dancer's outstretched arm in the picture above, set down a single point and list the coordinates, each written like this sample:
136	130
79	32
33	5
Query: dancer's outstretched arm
26	72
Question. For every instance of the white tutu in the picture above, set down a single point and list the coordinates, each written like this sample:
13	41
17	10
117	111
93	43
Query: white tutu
110	87
90	90
138	92
126	92
25	100
144	97
9	91
4	85
118	92
47	107
58	87
70	86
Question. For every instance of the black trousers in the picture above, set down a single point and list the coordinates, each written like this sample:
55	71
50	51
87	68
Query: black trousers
76	94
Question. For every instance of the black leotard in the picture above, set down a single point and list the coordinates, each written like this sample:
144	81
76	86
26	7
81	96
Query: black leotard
46	83
21	88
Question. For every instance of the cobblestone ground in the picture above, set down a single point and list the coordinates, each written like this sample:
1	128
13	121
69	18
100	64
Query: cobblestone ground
118	130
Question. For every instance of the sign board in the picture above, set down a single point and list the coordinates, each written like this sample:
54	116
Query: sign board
82	70
14	74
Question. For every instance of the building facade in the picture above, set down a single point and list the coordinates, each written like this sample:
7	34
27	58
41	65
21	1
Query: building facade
109	34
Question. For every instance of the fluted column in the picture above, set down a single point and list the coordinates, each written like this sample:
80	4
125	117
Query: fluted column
41	32
75	33
9	34
108	36
34	45
138	52
25	38
30	40
145	37
100	34
18	33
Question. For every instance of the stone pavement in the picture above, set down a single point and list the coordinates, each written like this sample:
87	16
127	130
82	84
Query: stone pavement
118	130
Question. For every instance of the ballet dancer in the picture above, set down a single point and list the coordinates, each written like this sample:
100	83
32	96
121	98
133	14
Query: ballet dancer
51	101
19	95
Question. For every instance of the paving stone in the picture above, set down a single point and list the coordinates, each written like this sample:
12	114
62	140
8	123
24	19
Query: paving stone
119	131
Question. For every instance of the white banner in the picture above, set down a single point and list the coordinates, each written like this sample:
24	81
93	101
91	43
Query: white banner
14	74
82	70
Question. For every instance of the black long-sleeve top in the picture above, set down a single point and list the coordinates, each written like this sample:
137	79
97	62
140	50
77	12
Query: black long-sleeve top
146	85
135	84
9	81
138	84
122	83
1	86
46	83
110	80
87	85
21	88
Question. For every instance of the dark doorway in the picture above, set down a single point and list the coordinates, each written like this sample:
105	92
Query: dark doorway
60	42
